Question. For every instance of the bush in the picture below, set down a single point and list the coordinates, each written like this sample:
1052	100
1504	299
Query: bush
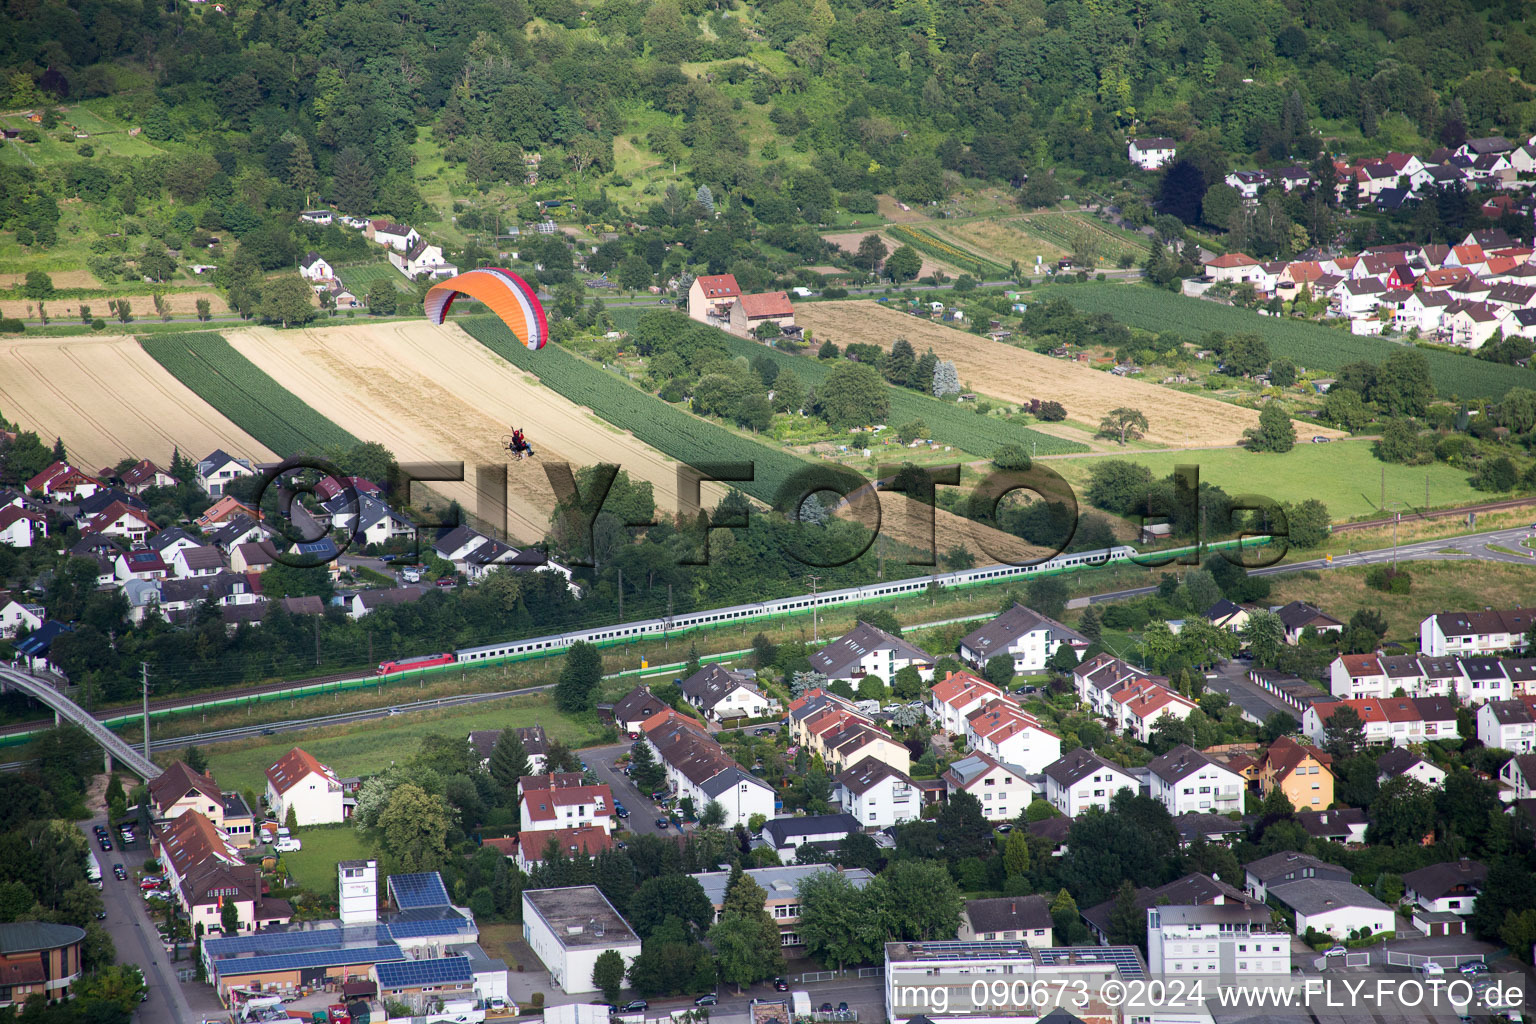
1389	580
98	324
1052	412
835	293
10	325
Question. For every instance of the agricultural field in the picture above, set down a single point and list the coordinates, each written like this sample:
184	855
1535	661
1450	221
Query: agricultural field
359	277
925	241
231	383
107	137
111	400
688	438
180	304
1344	475
433	394
1013	374
1065	229
948	422
1308	345
1003	240
849	241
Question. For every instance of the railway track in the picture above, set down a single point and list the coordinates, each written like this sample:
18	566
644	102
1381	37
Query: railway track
1490	506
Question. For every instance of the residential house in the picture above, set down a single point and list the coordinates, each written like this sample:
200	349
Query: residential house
952	699
535	745
1398	721
1150	154
63	482
1289	866
120	520
1472	633
1026	636
1399	761
218	469
697	769
1248	183
1508	724
1447	888
321	217
19	525
363	602
237	531
722	694
1298	616
141	565
179	789
1082	779
421	258
144	475
1002	789
16	616
876	794
1193	890
1226	615
787	835
1232	268
314	269
396	236
1025	919
750	311
1472	324
1485	679
711	296
1100	678
636	707
781	887
1001	729
1186	781
302	784
1358	298
189	563
1338	908
1140	706
206	870
1518	773
225	509
1482	147
867	649
1339	825
561	800
1226	939
1303	774
253	557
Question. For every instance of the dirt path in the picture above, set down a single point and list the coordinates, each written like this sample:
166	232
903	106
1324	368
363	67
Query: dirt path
434	393
1174	418
108	400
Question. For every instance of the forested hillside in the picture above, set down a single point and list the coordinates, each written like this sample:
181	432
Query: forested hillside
231	117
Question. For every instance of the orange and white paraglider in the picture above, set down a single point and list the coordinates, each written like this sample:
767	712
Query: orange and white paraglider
503	292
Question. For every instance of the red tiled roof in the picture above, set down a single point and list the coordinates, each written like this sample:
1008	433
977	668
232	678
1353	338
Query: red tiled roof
962	685
292	768
1285	754
764	304
585	841
719	286
544	804
1361	665
1232	259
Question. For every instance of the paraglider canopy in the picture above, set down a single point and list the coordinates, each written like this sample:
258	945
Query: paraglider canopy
506	295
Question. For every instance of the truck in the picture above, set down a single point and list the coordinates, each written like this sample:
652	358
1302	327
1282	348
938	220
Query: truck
578	1013
456	1011
93	869
800	1004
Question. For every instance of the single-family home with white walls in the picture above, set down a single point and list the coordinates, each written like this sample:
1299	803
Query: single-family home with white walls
1082	779
877	794
1026	636
1186	781
299	782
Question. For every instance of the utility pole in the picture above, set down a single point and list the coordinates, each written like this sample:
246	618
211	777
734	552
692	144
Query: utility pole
815	627
621	595
317	639
144	684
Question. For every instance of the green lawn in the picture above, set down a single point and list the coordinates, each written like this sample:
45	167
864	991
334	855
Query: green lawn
314	867
374	746
1343	475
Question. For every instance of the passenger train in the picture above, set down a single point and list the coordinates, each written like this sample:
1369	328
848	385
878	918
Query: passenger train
541	646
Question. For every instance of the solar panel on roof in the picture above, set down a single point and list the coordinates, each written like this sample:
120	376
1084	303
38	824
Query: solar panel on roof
410	973
419	890
419	929
313	958
264	943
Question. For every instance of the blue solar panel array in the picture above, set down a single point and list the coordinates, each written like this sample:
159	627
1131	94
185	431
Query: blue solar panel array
413	973
420	929
419	890
264	943
310	959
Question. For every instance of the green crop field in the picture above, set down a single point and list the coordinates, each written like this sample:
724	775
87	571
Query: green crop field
232	384
1343	475
1310	345
949	423
927	242
359	277
680	434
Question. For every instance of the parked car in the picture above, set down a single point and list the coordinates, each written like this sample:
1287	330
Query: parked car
707	999
780	985
663	823
768	730
825	1008
1319	439
101	915
1473	967
1335	951
289	845
1005	827
497	1004
842	1007
120	872
1431	969
620	809
152	882
106	844
635	1006
157	895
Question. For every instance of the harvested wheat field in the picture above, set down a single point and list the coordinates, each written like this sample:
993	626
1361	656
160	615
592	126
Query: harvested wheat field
60	279
1174	418
434	394
181	304
108	399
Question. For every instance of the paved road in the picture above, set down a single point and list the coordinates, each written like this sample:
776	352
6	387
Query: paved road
643	811
1231	679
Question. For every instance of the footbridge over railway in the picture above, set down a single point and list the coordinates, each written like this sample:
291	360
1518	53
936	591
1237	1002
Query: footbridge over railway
112	745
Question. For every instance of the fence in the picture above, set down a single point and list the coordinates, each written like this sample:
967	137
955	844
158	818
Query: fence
814	976
1451	961
1322	963
871	972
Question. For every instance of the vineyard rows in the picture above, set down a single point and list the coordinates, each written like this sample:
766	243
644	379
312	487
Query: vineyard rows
926	242
232	384
948	422
1308	345
681	435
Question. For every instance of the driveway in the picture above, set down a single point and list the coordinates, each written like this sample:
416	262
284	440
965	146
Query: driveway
643	812
1231	679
